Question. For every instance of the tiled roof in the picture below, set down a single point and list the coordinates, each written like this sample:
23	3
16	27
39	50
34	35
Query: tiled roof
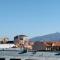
56	44
52	44
48	44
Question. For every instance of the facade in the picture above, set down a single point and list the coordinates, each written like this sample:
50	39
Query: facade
39	46
6	45
4	40
21	41
46	46
56	46
52	46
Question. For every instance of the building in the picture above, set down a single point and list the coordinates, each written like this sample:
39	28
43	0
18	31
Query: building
48	46
6	43
21	41
39	46
4	40
52	46
56	46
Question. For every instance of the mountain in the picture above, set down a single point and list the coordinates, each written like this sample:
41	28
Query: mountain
49	37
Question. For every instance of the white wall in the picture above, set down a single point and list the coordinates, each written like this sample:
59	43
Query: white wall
6	45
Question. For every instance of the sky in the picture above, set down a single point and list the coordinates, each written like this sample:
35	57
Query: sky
29	17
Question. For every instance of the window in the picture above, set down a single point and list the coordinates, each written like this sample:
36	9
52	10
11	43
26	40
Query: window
15	59
16	37
2	58
31	59
21	38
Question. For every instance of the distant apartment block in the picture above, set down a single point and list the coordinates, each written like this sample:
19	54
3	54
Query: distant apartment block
46	46
22	41
38	46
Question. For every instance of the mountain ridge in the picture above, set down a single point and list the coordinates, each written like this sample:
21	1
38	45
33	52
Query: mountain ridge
48	37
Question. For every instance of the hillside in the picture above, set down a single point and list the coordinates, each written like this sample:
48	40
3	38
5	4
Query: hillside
49	37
